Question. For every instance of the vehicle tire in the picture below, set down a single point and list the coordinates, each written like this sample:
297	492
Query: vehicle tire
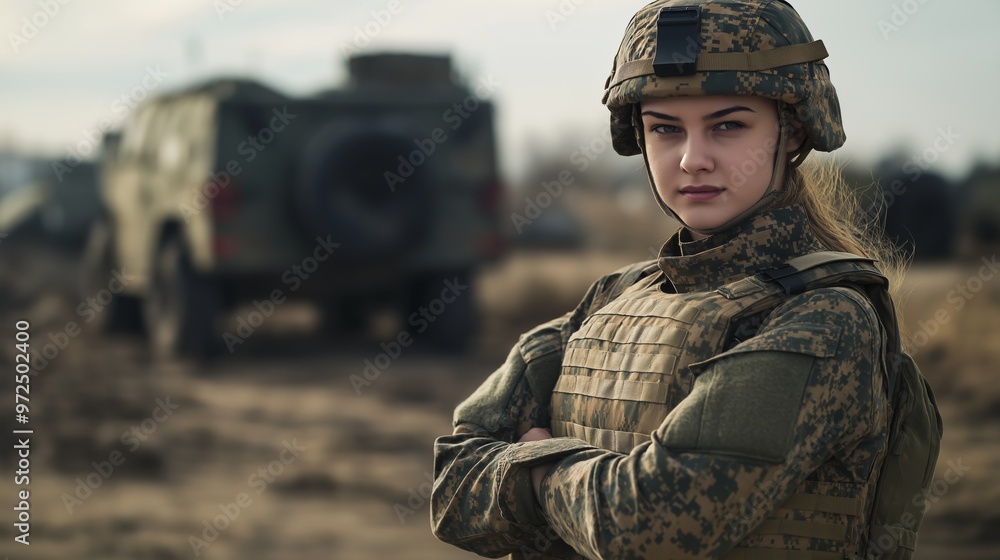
455	328
343	192
123	314
181	307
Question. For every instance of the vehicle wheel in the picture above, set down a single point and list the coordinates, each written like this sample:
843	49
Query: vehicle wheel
456	326
124	313
181	307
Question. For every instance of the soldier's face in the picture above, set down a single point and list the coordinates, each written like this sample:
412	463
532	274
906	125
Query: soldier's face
711	157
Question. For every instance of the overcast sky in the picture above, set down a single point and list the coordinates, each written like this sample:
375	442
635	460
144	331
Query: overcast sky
908	71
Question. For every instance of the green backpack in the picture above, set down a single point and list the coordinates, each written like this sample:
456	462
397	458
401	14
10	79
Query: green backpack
915	423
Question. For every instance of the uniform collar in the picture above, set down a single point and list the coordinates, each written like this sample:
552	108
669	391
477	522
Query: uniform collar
765	241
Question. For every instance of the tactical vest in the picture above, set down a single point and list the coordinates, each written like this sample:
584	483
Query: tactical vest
627	367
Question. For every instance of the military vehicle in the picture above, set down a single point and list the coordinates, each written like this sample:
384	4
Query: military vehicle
49	202
921	214
231	192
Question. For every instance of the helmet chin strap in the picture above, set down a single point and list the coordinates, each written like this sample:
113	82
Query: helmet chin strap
766	201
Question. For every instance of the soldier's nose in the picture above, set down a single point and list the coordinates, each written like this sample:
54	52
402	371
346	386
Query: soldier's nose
696	158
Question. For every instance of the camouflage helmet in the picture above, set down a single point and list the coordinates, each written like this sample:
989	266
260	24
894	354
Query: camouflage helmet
723	47
678	48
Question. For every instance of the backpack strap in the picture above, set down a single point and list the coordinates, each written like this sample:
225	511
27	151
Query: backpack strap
789	275
834	268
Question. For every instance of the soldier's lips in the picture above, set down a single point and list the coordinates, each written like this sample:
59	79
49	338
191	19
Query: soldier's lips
700	192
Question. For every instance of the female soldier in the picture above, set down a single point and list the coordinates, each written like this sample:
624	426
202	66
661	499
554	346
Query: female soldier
716	402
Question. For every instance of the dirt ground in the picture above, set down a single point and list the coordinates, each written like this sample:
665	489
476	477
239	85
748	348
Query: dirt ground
134	459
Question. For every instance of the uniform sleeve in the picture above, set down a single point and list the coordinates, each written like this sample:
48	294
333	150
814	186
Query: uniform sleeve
479	502
761	417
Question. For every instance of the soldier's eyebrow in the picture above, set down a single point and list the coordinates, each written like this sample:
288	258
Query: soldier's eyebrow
716	115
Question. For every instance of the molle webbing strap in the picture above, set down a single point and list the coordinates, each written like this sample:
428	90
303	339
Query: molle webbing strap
825	504
807	529
739	62
812	529
613	440
617	389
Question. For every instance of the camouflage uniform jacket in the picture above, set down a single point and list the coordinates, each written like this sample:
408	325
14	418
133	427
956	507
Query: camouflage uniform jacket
713	452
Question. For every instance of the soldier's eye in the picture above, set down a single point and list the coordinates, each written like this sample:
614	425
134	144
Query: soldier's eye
730	126
664	129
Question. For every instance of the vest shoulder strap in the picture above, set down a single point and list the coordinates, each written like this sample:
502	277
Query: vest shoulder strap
807	272
623	279
767	288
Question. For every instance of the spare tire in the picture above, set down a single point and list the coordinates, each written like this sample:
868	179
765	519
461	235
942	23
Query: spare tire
344	189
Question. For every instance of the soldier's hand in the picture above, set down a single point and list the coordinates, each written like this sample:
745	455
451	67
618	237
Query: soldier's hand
535	434
538	471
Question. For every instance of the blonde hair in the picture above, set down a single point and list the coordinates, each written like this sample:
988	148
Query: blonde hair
840	221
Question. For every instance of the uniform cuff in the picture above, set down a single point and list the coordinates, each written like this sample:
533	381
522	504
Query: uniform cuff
516	496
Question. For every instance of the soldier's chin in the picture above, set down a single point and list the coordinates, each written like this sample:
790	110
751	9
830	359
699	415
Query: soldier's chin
703	218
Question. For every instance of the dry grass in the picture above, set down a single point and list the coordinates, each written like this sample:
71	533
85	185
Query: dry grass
364	454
